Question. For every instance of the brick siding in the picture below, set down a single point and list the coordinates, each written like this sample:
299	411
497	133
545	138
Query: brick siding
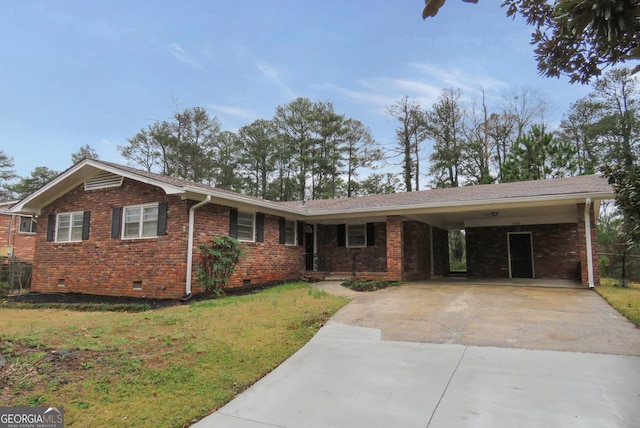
365	260
23	244
416	250
110	266
440	252
556	252
395	247
267	262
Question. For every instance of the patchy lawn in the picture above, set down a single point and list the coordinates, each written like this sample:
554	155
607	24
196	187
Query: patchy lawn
168	367
625	300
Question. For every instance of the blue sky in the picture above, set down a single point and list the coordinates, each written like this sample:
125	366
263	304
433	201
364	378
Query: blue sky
96	72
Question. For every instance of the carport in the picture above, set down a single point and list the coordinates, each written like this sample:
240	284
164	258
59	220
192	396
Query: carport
525	239
536	229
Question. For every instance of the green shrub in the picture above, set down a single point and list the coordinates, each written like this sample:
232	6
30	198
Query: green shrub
4	289
218	259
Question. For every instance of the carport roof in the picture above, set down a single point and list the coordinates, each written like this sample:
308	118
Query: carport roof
581	187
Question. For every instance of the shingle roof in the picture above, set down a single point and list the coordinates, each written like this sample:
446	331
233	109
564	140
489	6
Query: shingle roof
552	188
569	186
559	191
173	181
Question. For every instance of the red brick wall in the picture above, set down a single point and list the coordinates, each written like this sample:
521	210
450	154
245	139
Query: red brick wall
267	262
340	259
395	246
109	266
10	236
440	251
416	250
556	252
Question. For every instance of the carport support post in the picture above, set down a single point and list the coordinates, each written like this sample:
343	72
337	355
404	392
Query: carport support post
590	274
395	246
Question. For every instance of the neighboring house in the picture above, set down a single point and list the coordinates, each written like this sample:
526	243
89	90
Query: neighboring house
17	234
115	230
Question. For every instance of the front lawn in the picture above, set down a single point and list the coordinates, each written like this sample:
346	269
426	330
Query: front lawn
168	367
625	300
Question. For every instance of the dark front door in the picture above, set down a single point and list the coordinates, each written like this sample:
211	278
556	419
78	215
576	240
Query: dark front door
520	255
308	246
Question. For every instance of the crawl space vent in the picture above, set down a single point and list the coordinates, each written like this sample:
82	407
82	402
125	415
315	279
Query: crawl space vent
103	181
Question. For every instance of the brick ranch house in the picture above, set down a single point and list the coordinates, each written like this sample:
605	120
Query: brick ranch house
17	234
109	229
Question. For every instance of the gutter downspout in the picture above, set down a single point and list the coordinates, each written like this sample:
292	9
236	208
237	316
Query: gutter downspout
12	235
587	227
190	244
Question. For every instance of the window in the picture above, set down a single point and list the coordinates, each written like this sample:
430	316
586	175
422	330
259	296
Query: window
290	232
356	235
69	227
27	225
140	222
245	226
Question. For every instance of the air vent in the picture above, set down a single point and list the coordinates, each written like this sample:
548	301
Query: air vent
103	181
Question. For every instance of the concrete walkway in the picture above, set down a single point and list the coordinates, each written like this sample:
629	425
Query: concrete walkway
450	355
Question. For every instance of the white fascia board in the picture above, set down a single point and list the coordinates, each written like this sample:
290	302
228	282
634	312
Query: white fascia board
169	189
517	221
239	200
75	176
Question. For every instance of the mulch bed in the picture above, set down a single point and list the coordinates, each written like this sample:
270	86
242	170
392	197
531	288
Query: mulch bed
78	298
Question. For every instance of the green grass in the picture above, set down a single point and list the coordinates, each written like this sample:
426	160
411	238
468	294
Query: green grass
625	300
166	367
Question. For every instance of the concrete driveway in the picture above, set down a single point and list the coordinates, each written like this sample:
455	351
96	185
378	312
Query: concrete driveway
446	355
529	317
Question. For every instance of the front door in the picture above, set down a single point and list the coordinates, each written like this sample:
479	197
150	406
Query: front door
309	247
520	255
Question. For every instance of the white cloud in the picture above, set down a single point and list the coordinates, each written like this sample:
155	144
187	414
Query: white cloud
181	55
272	74
425	87
454	77
382	92
234	111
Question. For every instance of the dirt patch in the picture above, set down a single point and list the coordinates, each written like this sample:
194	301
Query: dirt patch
29	367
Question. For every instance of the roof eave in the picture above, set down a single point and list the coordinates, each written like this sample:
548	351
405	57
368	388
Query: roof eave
243	200
72	178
